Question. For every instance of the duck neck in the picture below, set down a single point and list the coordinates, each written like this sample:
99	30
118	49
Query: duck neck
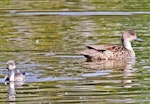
127	45
11	75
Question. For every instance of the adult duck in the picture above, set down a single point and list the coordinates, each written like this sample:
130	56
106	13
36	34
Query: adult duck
111	52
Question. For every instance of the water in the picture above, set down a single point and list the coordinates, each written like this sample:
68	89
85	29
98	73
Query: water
78	13
43	37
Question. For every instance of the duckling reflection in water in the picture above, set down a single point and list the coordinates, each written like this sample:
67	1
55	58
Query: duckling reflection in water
14	75
112	52
12	87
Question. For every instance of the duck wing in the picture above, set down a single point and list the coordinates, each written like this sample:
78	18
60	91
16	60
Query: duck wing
19	76
18	73
101	52
110	47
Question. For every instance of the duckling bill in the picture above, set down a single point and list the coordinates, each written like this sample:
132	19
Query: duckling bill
111	52
13	74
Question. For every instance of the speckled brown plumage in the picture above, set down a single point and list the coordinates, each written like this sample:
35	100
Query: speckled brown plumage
109	51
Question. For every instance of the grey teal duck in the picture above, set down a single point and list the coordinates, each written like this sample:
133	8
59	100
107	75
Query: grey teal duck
14	75
111	52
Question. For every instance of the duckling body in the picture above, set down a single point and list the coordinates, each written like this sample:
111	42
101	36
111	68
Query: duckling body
109	51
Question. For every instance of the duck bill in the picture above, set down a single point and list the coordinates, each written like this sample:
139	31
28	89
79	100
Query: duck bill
139	39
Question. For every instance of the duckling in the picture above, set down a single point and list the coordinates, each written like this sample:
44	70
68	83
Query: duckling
14	75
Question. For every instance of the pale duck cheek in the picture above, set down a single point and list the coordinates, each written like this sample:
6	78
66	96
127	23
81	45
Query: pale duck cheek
12	67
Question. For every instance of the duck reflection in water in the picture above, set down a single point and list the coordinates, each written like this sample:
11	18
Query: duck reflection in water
12	86
124	66
13	79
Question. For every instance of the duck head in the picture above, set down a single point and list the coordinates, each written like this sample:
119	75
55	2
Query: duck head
127	37
130	35
11	65
11	70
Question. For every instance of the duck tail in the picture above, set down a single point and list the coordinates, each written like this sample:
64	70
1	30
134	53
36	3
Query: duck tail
91	54
24	73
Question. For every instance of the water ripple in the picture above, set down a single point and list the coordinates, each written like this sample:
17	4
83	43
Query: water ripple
77	13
